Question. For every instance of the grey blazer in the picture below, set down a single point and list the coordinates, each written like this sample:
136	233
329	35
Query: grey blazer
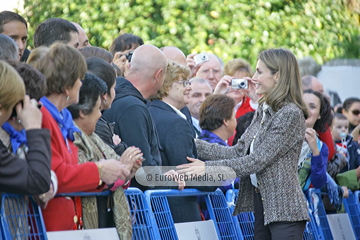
277	147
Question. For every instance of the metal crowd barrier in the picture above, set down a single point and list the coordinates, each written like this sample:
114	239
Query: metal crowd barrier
216	205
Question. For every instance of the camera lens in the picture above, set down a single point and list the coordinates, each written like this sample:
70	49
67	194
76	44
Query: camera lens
242	84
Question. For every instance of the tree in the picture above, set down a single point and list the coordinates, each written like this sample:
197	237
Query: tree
323	29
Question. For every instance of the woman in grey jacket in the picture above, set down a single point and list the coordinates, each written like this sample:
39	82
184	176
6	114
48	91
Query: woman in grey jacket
267	154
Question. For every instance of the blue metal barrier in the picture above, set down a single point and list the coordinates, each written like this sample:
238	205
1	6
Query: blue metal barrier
246	221
143	221
351	205
357	199
215	201
319	213
21	218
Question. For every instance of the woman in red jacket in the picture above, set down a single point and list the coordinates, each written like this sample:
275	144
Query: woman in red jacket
63	67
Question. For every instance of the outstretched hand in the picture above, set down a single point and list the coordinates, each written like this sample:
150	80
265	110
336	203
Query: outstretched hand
196	167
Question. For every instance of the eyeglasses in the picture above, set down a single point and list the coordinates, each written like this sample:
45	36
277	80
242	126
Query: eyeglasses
184	82
355	112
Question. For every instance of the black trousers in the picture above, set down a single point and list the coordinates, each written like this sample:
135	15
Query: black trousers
275	230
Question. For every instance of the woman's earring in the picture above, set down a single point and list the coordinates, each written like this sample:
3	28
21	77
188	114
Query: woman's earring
67	98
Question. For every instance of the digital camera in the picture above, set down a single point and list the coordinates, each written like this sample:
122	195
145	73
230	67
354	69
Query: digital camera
129	55
239	83
201	57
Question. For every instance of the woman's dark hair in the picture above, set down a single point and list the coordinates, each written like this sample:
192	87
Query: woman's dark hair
214	110
92	88
91	51
102	70
124	42
326	115
348	102
243	123
34	80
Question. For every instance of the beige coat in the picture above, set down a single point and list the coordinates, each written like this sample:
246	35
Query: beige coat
92	149
277	147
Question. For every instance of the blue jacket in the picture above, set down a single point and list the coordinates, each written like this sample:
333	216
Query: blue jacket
319	167
353	149
176	143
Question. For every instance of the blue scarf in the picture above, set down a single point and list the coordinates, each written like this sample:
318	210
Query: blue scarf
63	118
17	138
210	137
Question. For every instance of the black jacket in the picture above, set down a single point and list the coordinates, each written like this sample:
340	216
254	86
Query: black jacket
30	176
134	124
105	132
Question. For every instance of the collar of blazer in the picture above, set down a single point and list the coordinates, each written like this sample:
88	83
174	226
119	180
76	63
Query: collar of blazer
265	108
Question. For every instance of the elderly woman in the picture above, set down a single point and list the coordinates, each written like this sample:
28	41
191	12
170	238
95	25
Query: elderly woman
91	149
217	119
218	122
29	175
170	122
63	67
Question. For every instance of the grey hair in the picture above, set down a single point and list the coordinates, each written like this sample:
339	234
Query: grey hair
199	80
8	48
308	66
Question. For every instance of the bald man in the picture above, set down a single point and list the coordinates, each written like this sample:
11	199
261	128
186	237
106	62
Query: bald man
174	54
129	111
311	82
83	39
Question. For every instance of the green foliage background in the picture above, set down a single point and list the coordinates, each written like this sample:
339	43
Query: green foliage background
324	29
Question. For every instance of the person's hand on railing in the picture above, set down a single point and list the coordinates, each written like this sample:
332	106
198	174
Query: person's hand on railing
177	178
43	199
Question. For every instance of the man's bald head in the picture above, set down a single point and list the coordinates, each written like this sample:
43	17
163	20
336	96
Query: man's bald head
147	69
174	54
311	82
83	39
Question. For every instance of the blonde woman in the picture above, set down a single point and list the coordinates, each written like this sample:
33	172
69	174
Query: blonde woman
32	174
170	122
267	154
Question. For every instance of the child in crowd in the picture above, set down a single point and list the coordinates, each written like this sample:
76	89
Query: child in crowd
344	141
349	176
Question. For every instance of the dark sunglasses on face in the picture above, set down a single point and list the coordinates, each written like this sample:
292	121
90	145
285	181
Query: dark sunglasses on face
355	112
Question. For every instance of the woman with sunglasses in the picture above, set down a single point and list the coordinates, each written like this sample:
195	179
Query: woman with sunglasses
175	134
351	110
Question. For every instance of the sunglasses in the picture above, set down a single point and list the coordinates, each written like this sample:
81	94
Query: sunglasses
355	112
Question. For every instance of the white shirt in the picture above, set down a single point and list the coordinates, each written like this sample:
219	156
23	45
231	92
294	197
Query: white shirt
196	123
177	111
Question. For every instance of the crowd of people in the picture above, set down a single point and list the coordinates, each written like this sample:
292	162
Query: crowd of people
80	118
